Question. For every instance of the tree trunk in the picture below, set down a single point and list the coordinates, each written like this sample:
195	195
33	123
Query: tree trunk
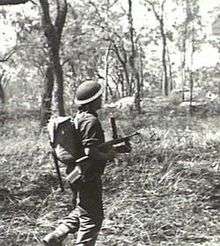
171	84
47	97
164	62
58	85
2	94
191	92
135	73
160	19
183	72
123	62
141	72
53	34
192	68
106	73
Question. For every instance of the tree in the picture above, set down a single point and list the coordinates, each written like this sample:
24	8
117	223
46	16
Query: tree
2	93
158	11
133	58
54	71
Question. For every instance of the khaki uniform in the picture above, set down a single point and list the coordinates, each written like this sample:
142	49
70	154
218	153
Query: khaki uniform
87	217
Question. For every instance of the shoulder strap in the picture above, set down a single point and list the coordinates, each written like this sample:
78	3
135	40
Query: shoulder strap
76	122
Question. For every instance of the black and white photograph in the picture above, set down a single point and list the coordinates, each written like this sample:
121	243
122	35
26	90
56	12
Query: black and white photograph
109	122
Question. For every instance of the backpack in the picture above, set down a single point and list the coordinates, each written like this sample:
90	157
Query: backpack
64	139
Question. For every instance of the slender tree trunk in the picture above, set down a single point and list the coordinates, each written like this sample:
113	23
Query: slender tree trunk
171	85
127	79
106	73
164	61
2	94
47	96
141	72
135	73
183	72
192	68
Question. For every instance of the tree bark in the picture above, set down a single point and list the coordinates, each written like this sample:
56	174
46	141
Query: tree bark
164	61
106	73
2	94
183	65
47	97
53	33
171	84
133	58
192	69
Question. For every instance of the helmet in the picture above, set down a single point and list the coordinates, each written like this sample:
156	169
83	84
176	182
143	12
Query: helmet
87	92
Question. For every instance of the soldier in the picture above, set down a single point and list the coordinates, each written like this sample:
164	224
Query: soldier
87	217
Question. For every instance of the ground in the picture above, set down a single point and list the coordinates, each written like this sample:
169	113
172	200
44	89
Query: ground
165	192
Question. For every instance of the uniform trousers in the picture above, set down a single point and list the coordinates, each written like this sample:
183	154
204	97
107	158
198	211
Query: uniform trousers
86	219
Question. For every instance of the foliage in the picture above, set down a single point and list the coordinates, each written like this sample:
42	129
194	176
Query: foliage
93	27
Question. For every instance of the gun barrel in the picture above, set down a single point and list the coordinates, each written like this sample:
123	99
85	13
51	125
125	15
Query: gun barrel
108	144
117	140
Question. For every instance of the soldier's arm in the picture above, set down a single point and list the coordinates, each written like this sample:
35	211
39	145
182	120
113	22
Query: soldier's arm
91	141
95	154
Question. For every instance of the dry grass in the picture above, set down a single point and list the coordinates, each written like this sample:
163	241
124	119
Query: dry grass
166	192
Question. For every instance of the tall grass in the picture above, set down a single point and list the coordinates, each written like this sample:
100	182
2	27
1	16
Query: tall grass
163	193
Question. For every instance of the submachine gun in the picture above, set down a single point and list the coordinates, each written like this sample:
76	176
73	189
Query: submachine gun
119	144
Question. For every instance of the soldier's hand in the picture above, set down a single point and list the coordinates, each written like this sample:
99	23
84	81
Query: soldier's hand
111	154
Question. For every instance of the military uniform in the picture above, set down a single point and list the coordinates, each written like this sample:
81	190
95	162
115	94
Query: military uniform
87	217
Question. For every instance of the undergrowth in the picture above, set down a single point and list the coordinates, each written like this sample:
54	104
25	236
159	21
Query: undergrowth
165	192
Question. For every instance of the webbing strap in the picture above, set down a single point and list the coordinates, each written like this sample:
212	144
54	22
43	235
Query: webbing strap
76	123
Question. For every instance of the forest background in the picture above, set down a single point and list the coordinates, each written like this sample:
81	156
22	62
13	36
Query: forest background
159	63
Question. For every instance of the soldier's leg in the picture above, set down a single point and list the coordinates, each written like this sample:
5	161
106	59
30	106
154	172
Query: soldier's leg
69	224
89	229
90	213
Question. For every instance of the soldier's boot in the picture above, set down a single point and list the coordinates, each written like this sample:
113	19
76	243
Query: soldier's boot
56	237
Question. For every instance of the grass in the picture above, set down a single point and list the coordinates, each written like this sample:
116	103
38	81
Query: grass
166	192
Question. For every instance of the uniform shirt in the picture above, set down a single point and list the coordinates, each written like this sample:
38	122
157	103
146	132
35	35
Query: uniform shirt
91	134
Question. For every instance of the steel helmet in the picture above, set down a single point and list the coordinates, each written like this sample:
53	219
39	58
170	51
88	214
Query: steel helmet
87	92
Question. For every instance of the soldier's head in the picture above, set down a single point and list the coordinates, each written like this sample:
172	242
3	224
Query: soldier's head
89	95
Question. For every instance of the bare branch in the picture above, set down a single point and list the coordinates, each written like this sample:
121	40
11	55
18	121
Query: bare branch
13	2
8	56
154	9
96	9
